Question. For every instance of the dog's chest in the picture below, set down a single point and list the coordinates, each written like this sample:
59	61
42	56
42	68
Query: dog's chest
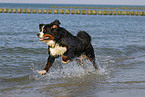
55	49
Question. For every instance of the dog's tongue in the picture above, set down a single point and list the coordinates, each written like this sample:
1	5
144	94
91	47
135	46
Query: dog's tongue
45	38
41	39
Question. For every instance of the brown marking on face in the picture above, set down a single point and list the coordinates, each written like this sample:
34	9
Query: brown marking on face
48	35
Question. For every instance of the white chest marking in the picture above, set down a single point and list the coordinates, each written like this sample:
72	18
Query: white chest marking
57	50
50	43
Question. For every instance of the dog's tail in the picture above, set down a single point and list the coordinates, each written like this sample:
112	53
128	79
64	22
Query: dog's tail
85	36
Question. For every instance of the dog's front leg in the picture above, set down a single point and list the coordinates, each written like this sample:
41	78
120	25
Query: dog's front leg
50	61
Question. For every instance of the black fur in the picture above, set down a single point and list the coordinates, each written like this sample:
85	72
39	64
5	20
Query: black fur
76	45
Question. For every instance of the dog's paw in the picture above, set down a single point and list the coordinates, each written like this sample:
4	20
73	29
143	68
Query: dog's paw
65	59
65	62
42	72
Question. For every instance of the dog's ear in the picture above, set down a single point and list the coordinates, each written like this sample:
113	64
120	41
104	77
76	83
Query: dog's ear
41	25
56	22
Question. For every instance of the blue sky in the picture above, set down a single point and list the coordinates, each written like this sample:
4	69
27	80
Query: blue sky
108	2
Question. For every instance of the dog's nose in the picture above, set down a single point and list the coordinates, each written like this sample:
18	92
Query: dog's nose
38	34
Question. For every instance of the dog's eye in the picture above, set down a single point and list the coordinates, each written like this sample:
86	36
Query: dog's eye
44	30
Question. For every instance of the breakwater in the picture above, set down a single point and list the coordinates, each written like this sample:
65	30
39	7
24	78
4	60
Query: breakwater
129	11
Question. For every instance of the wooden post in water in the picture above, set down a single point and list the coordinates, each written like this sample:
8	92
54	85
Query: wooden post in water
67	11
141	13
1	10
119	13
110	12
14	10
61	11
83	12
28	10
24	10
10	10
132	12
137	13
40	11
72	11
127	12
55	11
34	11
78	12
19	10
89	12
5	10
100	12
94	12
123	12
114	12
45	11
49	11
105	12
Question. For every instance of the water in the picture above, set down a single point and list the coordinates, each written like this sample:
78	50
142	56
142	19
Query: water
119	43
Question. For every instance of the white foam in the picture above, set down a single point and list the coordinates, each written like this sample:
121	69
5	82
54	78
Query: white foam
71	70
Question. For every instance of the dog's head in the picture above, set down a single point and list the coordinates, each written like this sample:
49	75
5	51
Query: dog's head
46	31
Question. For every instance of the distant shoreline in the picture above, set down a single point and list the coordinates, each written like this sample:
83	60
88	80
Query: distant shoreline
98	5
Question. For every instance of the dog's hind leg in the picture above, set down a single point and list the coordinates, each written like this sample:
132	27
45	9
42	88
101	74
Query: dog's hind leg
90	55
93	61
50	61
81	59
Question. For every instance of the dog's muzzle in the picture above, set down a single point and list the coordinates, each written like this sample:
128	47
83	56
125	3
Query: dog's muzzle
44	37
40	34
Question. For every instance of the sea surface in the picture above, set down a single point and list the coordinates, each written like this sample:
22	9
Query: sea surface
118	41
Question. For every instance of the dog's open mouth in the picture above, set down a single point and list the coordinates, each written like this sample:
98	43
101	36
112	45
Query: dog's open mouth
45	38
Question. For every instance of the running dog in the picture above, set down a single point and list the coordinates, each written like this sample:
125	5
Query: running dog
62	43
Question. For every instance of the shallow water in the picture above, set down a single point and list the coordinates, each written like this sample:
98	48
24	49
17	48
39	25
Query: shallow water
119	44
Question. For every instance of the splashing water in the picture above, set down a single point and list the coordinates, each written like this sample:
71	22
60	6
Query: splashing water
70	70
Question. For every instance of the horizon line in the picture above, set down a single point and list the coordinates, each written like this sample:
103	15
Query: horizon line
71	4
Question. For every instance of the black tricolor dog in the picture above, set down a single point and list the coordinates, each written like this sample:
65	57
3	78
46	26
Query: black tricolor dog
63	43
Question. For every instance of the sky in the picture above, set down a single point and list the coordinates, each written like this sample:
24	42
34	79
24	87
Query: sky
105	2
